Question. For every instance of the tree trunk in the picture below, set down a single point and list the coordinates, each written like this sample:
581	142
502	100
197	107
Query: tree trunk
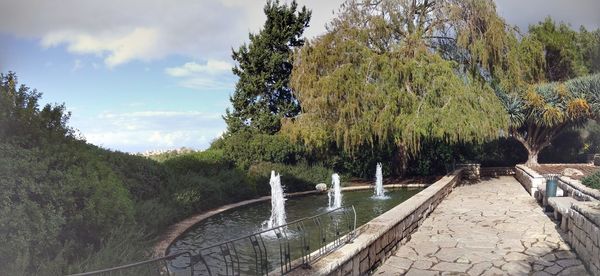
532	157
533	149
400	160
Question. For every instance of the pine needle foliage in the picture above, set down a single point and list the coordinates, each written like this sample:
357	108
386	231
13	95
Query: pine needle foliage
262	94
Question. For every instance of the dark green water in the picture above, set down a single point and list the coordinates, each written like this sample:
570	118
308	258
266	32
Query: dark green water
249	219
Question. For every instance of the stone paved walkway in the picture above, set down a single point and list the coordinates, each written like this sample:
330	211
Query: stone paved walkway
490	228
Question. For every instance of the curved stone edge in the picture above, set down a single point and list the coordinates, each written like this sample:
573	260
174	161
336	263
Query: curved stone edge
177	230
377	239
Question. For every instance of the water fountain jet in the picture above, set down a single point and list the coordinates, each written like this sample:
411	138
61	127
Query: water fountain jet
335	192
379	191
277	202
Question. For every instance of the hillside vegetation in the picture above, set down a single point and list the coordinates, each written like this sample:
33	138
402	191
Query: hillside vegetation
68	206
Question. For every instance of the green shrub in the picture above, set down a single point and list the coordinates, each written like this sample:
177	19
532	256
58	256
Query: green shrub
124	244
55	197
592	181
196	192
294	178
435	158
144	178
246	148
31	219
208	162
156	214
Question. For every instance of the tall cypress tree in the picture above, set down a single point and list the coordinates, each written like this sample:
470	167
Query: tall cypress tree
262	95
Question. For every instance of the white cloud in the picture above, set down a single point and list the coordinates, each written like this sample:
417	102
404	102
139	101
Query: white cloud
211	67
124	30
151	130
140	43
119	31
212	75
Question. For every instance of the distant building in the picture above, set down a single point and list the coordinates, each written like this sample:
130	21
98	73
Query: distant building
181	150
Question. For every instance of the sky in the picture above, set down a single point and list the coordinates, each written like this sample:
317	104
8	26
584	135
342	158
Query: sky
143	75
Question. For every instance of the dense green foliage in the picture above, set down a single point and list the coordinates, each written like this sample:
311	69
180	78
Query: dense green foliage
592	181
374	79
62	199
246	148
295	178
262	94
68	206
568	53
589	43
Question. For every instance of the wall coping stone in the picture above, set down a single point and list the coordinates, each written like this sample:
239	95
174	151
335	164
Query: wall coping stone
589	209
529	179
576	184
529	171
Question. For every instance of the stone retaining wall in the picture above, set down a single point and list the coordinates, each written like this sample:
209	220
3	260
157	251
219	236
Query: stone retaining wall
584	234
471	171
496	171
380	237
575	189
529	179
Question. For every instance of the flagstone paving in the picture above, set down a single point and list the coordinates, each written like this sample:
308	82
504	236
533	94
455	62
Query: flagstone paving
489	228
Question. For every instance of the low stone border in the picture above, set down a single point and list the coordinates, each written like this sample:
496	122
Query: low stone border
379	238
577	190
584	233
471	171
180	228
529	178
497	171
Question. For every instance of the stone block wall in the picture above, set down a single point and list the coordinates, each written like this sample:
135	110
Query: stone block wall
471	171
379	238
529	179
496	171
584	234
575	189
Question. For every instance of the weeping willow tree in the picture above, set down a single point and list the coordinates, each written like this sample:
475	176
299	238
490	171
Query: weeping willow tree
397	72
541	112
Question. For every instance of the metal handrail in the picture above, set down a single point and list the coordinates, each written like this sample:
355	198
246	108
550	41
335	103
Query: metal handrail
131	265
230	255
276	227
283	241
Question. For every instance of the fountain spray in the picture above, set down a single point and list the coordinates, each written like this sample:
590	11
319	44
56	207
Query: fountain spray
335	192
277	202
379	191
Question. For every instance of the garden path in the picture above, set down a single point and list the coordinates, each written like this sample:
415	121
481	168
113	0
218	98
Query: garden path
489	228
